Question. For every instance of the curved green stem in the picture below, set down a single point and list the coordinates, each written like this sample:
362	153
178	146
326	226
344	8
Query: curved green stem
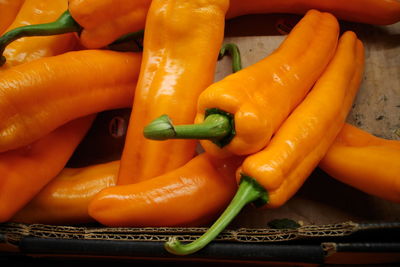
64	24
214	127
249	191
233	50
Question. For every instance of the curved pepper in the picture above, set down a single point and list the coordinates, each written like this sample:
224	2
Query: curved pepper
27	49
273	175
25	171
181	44
191	195
39	96
101	22
9	10
366	162
251	104
379	12
65	199
105	21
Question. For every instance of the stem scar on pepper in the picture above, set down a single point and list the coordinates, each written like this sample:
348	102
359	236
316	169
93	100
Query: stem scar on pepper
218	126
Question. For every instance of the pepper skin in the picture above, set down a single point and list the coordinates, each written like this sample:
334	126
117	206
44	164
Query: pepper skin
39	96
273	175
378	12
9	10
191	195
181	44
260	97
65	199
366	162
105	21
32	48
25	171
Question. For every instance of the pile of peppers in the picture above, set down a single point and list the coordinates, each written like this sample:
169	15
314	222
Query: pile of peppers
262	130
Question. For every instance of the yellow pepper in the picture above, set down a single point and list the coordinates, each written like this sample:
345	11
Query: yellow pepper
366	162
181	44
32	48
239	114
65	199
272	176
9	9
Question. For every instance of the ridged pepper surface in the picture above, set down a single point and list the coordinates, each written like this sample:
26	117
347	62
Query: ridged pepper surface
181	45
25	171
272	176
31	48
39	96
252	103
191	195
100	22
65	199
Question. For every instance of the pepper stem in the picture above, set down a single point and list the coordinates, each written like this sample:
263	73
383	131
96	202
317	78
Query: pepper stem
64	24
214	126
249	191
233	50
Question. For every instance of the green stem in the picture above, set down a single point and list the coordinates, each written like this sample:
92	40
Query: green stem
249	191
218	125
233	50
64	24
215	126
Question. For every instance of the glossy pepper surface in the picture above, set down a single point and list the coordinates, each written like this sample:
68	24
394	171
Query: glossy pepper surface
379	12
31	48
105	21
9	10
258	98
272	176
102	21
181	44
65	199
25	171
191	195
366	162
39	96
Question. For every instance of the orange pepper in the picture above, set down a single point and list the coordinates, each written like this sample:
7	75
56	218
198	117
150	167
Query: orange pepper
101	22
104	21
366	162
191	195
39	96
181	44
379	12
252	103
65	199
25	171
272	176
32	48
9	9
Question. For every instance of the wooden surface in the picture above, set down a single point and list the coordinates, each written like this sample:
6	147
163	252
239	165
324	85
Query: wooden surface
376	109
